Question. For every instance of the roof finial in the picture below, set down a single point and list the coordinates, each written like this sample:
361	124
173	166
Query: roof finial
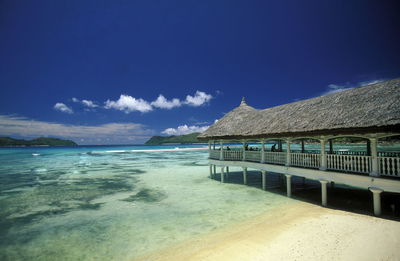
243	101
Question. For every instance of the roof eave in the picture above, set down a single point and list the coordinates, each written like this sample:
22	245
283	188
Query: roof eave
316	133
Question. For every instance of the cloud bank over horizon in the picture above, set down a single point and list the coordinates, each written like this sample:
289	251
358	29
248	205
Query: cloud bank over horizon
184	129
109	133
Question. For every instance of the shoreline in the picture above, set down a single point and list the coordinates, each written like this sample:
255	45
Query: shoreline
295	231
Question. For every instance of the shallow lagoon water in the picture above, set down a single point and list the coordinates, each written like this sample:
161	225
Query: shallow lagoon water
112	203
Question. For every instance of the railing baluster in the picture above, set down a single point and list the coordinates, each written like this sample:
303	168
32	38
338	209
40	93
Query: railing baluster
387	166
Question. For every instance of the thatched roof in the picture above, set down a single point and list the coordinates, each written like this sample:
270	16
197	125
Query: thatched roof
369	109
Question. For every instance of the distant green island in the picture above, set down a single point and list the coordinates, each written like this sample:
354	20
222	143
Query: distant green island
7	141
182	139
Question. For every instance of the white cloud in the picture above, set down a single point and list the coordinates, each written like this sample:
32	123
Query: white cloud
334	88
63	108
128	104
86	103
89	104
110	133
370	82
162	103
198	99
184	129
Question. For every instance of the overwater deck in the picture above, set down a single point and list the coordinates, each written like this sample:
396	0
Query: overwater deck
376	173
369	115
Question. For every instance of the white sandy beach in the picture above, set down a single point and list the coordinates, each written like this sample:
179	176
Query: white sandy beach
300	231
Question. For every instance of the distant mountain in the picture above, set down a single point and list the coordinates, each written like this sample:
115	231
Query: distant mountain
182	139
7	141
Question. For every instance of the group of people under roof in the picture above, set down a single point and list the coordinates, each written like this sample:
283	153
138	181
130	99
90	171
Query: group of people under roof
246	147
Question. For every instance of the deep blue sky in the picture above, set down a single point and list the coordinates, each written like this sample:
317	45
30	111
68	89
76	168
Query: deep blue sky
271	52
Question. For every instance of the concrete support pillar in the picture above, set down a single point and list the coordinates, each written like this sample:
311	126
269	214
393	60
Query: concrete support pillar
211	171
376	193
221	152
244	151
222	175
324	194
287	153
264	179
323	155
262	151
374	157
302	146
215	169
245	176
288	185
227	172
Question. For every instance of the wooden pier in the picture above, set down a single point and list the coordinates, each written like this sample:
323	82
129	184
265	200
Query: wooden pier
370	114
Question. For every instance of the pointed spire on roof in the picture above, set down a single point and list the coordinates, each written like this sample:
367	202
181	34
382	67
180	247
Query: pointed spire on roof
243	102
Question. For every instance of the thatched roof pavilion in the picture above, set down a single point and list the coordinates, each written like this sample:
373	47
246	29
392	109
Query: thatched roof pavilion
370	112
373	108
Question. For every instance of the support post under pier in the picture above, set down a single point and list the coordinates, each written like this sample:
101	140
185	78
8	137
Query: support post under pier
264	179
376	192
324	193
245	176
288	185
222	175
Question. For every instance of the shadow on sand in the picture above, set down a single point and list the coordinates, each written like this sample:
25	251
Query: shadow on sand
340	196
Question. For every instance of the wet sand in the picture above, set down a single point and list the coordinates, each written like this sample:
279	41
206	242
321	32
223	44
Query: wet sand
298	231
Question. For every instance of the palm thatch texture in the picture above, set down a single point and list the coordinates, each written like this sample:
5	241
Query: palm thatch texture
368	109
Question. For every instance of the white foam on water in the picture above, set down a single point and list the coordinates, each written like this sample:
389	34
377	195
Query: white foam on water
175	149
35	154
151	150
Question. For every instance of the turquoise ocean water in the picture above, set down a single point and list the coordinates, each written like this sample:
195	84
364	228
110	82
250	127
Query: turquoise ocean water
113	203
116	203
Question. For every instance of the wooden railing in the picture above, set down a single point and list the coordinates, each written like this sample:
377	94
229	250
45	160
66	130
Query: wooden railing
388	154
336	152
389	166
349	163
306	151
305	160
253	156
233	155
356	153
275	157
